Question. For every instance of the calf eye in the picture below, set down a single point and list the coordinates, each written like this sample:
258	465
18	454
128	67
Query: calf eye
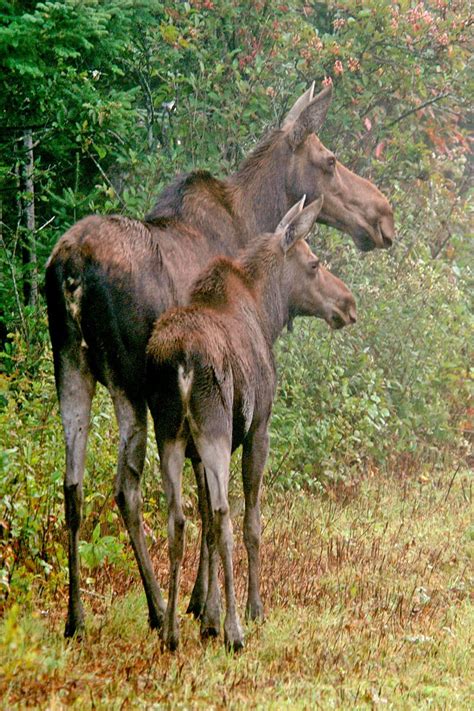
314	264
331	161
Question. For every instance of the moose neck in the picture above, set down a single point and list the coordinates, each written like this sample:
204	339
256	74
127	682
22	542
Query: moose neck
259	189
230	212
265	273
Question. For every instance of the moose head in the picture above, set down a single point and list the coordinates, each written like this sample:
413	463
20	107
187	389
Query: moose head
351	203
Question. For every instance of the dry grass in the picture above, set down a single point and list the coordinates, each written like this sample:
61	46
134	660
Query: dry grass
367	597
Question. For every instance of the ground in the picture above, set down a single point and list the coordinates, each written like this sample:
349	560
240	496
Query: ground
366	589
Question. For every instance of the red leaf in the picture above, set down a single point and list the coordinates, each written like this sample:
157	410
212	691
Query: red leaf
368	124
379	149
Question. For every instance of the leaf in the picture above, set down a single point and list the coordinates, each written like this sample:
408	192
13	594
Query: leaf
169	33
379	150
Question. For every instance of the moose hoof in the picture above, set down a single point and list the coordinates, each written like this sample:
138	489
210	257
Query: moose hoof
195	608
170	636
233	636
235	644
209	630
155	620
211	619
255	612
172	642
74	628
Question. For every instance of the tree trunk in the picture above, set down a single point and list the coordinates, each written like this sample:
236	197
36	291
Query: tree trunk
29	209
25	253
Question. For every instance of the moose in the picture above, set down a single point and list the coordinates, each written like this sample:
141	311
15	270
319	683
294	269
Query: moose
210	388
110	277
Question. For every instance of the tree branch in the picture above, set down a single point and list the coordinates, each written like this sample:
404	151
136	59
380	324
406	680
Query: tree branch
106	178
418	108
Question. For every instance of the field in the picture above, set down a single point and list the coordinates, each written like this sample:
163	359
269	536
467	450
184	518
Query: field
367	599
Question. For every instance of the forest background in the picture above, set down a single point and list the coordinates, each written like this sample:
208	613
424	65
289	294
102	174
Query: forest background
102	103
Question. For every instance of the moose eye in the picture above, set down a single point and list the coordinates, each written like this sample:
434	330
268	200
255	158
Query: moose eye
331	162
314	264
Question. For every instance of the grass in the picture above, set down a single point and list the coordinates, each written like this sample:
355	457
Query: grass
367	599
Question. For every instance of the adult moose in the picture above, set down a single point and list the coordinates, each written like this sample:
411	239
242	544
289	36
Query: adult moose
210	388
109	278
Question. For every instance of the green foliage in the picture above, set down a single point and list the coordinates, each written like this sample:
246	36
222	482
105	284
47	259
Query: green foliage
394	386
99	548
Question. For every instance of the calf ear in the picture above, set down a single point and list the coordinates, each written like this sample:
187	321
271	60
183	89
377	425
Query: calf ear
300	104
301	224
291	214
311	118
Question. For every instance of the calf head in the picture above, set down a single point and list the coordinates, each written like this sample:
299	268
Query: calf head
351	203
312	290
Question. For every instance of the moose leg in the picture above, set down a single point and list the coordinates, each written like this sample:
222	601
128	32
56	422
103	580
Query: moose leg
211	616
76	388
172	459
215	455
213	598
132	447
254	456
199	593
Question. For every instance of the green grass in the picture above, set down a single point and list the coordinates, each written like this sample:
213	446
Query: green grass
367	599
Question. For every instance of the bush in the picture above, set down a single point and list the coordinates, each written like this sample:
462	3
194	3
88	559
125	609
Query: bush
394	384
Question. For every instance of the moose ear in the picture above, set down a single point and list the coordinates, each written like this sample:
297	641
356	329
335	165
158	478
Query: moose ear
290	215
301	224
300	104
311	118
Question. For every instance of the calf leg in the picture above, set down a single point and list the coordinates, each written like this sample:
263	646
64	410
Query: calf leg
215	456
211	615
172	459
254	456
132	448
76	388
201	586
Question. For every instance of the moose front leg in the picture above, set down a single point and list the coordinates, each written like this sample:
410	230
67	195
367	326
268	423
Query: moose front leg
132	449
254	456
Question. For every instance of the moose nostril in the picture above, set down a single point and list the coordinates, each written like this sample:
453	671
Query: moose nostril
351	312
386	232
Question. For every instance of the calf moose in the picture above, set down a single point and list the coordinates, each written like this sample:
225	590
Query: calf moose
109	278
210	388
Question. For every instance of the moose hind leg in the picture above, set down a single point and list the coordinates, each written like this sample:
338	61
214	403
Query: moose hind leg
172	460
199	594
215	455
132	448
76	388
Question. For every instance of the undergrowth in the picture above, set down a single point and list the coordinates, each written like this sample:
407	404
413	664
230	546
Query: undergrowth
367	600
